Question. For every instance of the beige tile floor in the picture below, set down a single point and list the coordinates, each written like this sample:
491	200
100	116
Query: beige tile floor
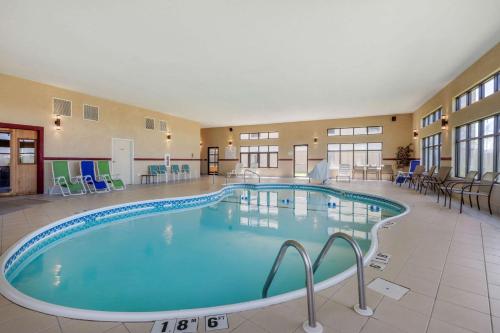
450	262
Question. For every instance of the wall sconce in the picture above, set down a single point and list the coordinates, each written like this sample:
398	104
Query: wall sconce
230	142
415	134
57	122
315	140
444	122
169	137
201	143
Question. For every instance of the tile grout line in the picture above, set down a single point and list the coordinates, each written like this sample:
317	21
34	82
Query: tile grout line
486	275
441	276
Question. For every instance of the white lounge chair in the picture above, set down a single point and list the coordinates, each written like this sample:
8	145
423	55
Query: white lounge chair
345	172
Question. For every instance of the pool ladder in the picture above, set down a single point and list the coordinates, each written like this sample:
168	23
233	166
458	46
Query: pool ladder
311	325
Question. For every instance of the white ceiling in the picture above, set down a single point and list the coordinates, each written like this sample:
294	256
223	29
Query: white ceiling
234	62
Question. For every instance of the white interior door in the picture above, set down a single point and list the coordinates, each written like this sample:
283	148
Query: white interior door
122	159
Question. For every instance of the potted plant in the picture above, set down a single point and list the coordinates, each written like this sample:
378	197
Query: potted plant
403	156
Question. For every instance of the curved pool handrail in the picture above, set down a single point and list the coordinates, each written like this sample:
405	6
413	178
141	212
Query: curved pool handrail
245	174
311	321
360	308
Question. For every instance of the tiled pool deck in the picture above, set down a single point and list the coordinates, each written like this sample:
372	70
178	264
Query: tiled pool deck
450	262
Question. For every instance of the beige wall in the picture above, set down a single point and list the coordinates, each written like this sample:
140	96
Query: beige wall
395	133
30	103
481	69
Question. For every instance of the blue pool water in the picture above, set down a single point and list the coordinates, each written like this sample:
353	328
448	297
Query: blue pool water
216	255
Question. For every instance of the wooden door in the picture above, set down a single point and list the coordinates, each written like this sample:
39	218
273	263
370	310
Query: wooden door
213	160
23	163
300	160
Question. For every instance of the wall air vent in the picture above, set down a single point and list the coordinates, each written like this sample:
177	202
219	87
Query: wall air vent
163	125
61	107
149	123
90	112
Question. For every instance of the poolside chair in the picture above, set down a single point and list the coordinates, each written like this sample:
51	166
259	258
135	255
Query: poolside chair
345	172
373	170
176	172
403	177
424	177
63	180
387	170
414	178
155	171
104	173
482	189
436	181
90	180
186	170
162	170
358	169
455	186
237	171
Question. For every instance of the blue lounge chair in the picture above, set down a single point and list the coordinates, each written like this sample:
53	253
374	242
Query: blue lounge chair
90	180
403	177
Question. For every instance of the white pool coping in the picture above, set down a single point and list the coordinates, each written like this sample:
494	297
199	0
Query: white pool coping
14	295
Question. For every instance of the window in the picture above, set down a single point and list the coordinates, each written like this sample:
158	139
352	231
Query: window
354	154
259	136
333	131
27	151
374	130
431	118
259	156
431	151
355	131
347	131
482	90
477	147
360	131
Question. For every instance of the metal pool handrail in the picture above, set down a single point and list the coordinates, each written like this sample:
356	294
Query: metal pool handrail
245	175
311	325
360	308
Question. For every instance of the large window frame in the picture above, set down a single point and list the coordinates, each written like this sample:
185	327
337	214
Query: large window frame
477	92
432	117
472	135
355	131
260	136
265	157
355	151
431	150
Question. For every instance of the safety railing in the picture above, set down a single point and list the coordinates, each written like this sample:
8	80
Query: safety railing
249	171
311	325
361	308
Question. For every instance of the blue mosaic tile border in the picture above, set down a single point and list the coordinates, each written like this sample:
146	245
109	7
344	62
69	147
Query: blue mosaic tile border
83	222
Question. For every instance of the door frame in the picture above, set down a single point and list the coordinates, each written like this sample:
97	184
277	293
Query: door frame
39	151
208	159
307	157
132	156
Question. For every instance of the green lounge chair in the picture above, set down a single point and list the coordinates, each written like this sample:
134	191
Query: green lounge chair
155	171
176	172
62	179
186	171
104	172
162	170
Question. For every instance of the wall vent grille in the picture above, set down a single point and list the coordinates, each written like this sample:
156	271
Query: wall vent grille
150	123
62	107
90	112
163	125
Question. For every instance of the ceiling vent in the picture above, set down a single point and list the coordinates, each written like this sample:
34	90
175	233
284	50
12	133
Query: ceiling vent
149	123
62	107
163	125
90	112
